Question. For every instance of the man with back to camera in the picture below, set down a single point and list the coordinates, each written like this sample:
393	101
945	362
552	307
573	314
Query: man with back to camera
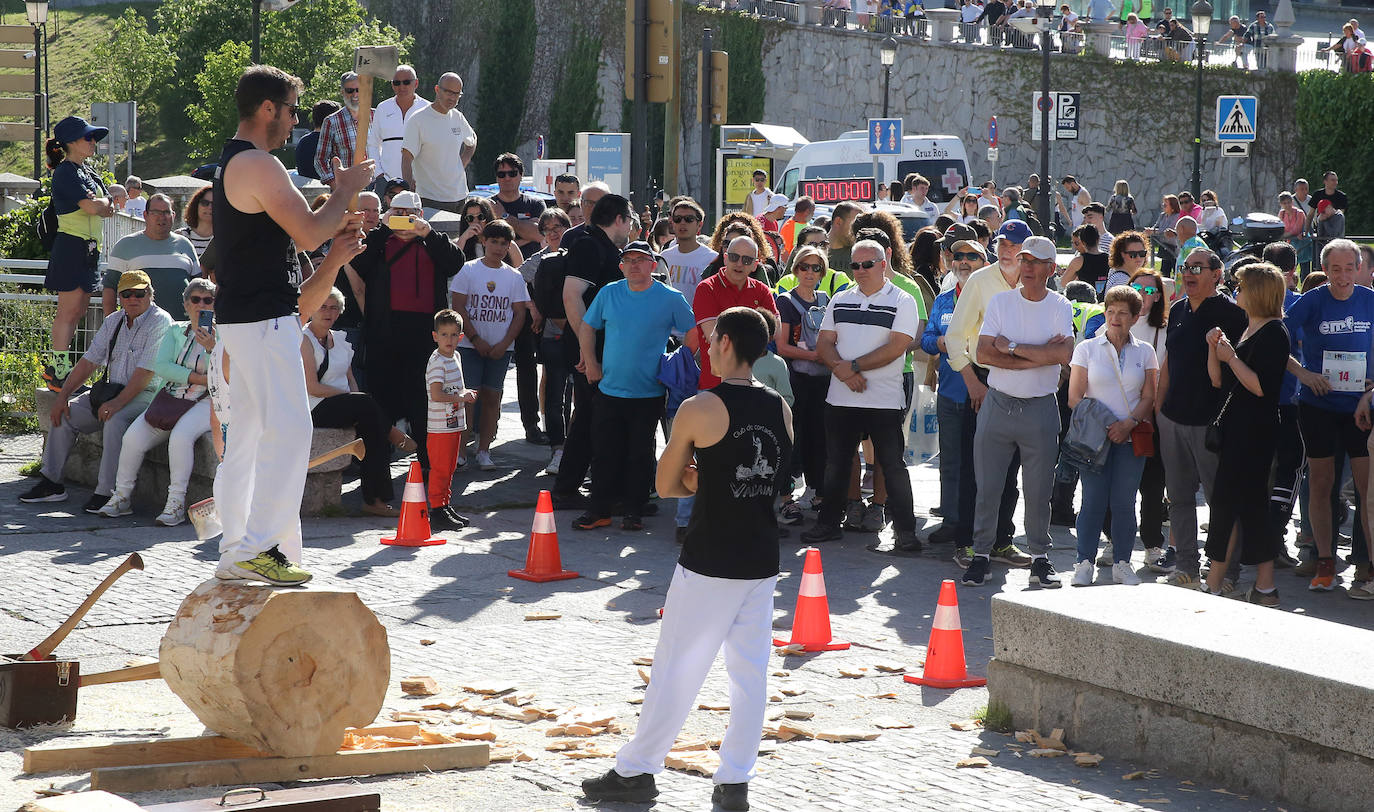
261	219
729	447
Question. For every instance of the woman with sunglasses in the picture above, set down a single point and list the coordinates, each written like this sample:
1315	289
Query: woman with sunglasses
200	226
738	224
477	211
80	200
963	207
801	309
1151	327
182	363
832	281
1126	257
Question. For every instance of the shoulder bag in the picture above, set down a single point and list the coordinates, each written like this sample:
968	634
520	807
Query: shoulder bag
103	391
1212	440
1143	434
166	408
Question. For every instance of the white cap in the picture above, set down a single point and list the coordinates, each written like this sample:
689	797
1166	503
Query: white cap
1038	247
778	201
405	200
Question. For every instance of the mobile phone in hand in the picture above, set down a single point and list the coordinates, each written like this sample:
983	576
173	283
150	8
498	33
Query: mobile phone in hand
207	319
400	222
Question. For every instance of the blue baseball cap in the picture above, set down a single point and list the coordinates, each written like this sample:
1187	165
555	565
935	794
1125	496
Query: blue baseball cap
75	128
1014	231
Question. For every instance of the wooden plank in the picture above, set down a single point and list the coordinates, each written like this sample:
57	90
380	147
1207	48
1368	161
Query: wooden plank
255	770
16	107
16	33
14	131
80	757
14	58
16	83
130	674
74	757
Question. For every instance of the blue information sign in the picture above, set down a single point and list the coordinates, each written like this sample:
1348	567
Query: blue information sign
884	136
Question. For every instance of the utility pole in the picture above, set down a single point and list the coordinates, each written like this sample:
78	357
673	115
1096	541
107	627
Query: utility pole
704	85
639	145
672	115
257	32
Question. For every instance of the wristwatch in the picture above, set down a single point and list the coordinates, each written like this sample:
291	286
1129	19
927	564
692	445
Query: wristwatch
854	365
1011	348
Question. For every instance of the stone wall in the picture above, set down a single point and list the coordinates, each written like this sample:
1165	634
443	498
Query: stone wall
1136	122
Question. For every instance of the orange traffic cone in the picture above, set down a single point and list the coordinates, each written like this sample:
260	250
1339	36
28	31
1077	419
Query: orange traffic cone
413	530
542	562
811	620
945	654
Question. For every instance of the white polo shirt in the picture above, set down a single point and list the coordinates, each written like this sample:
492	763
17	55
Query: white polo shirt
1118	389
388	132
862	324
1011	314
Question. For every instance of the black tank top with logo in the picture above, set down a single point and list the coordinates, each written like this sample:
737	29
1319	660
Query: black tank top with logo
734	532
258	270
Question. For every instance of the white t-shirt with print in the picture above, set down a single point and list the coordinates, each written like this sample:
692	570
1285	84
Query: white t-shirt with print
492	294
1011	314
685	268
445	418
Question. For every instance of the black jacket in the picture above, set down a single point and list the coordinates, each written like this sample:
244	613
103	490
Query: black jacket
375	272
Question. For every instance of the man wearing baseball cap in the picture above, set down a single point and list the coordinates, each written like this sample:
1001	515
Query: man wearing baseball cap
961	341
1027	334
126	345
638	314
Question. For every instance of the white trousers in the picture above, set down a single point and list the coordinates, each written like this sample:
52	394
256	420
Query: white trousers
181	449
700	615
259	485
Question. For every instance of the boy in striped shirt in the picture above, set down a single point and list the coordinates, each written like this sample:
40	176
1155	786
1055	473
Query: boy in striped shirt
447	419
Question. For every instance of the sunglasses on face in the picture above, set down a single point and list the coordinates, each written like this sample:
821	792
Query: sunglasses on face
1137	254
811	268
401	82
743	259
133	294
866	264
90	138
507	173
291	107
350	90
474	218
967	256
685	218
193	299
1148	290
1195	270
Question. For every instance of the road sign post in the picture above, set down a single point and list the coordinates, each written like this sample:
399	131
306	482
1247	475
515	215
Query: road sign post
884	138
1237	118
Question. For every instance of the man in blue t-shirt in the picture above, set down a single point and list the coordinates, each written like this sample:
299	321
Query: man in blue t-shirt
638	314
1335	323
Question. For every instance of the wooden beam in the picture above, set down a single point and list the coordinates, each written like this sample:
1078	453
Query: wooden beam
130	674
74	757
16	83
15	131
16	107
14	58
16	33
274	769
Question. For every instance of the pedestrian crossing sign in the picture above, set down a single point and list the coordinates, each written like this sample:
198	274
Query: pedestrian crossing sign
1236	118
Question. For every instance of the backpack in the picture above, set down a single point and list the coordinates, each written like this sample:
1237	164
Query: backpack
548	284
46	227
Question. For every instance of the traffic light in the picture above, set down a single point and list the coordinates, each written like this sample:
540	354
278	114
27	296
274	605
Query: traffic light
660	48
718	75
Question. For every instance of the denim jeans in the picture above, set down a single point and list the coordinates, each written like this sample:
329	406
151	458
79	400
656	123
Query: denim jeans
1115	488
951	416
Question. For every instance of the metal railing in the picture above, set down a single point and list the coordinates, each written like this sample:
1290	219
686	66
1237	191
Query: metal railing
21	282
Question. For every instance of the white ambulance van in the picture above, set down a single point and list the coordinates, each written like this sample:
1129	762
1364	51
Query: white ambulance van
940	158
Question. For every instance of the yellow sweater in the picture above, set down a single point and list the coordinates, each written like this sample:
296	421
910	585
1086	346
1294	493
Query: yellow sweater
962	336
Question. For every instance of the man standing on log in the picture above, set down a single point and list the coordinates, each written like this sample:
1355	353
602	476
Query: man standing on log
740	433
261	221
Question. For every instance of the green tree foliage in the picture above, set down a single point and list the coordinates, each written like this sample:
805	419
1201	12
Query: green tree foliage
575	107
18	227
742	37
195	29
134	62
215	117
1332	117
507	57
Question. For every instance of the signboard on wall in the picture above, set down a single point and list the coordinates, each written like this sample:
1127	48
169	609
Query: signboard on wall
605	157
739	173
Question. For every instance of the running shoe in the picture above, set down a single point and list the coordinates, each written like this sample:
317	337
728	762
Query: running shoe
1122	573
1325	578
874	519
116	506
270	567
1178	577
1083	573
1253	595
615	787
1011	555
977	571
45	491
963	556
173	514
854	515
1042	574
1166	563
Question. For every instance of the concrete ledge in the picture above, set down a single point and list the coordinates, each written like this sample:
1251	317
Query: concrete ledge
1152	670
1242	758
323	485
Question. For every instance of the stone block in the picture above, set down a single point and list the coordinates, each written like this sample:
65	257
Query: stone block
1279	676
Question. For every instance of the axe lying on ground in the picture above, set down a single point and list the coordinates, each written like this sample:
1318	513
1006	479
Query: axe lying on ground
205	518
370	61
43	649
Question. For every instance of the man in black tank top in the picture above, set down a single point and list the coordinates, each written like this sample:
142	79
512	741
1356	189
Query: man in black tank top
740	433
261	221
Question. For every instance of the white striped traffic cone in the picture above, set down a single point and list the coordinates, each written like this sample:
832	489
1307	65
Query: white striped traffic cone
811	620
945	667
413	529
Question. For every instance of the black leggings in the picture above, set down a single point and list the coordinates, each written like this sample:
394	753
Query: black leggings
358	411
808	425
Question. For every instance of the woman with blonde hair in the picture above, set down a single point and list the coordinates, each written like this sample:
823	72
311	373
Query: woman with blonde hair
1121	209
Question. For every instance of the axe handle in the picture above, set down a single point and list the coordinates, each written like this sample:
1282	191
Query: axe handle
43	649
355	448
364	124
132	674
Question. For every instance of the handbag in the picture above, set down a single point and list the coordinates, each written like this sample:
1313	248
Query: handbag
1212	440
103	391
166	409
1143	434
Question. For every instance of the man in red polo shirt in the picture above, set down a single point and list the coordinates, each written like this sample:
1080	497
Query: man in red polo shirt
732	287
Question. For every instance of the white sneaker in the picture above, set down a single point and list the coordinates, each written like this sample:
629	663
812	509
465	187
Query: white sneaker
1123	574
484	461
807	495
1083	573
173	514
554	462
1153	554
119	505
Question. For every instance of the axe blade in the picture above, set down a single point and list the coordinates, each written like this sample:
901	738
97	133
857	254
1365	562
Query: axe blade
376	60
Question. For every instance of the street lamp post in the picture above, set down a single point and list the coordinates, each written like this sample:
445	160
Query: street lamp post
887	55
37	13
1201	12
1044	23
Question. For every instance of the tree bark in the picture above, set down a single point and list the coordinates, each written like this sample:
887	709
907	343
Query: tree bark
554	37
283	671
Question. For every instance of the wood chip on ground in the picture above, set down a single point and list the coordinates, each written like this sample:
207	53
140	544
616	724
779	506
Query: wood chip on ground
847	735
888	723
967	724
489	687
419	686
542	616
973	761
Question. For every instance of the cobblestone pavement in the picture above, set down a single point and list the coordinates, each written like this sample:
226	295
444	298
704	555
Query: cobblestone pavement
459	596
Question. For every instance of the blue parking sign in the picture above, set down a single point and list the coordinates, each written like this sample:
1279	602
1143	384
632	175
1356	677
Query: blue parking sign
884	136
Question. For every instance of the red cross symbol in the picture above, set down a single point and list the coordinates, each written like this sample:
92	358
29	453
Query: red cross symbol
952	180
548	180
